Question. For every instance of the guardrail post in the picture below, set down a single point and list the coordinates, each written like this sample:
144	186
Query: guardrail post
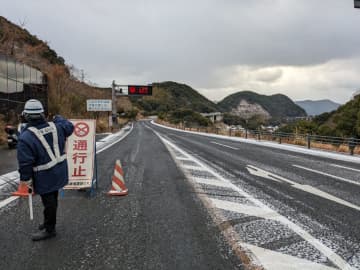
352	145
308	137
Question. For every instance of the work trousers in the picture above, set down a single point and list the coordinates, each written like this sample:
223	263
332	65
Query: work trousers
50	202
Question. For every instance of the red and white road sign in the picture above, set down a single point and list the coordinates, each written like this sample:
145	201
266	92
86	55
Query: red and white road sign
80	152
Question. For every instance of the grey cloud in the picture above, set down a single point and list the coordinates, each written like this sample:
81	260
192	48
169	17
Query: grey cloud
189	41
269	75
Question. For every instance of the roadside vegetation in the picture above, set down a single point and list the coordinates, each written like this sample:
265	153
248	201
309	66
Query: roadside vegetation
344	122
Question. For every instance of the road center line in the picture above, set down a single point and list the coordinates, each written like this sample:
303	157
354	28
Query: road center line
328	252
329	175
344	167
225	145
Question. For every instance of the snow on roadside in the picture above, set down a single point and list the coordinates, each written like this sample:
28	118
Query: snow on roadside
297	149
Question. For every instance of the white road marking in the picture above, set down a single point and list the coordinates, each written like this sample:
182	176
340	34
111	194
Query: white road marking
182	158
344	167
259	172
191	167
211	182
115	142
225	145
329	175
330	254
13	198
254	211
272	260
8	200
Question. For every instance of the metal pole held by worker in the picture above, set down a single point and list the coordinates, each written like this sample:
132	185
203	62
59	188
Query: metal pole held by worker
31	204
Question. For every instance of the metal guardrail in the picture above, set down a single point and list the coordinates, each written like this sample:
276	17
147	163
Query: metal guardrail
339	144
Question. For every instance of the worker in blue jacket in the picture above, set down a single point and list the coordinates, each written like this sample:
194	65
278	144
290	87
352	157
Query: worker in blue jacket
42	161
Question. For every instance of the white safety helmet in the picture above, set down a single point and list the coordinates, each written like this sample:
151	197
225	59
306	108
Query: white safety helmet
33	106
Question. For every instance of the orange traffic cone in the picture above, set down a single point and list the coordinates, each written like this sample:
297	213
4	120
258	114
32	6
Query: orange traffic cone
23	190
118	187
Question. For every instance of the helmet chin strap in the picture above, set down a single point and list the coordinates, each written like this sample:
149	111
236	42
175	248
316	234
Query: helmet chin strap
34	117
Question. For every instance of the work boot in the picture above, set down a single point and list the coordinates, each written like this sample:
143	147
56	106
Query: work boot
41	227
43	235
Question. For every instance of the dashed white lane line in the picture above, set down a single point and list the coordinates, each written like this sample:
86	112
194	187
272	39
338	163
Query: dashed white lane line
224	145
211	182
182	158
329	253
272	260
329	175
191	167
5	202
344	167
307	188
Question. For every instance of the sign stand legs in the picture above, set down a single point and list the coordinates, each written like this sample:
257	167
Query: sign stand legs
95	178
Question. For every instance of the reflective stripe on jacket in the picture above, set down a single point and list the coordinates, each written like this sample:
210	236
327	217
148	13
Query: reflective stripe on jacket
55	158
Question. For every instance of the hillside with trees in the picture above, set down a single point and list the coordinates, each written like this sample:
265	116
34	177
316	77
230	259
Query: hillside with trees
176	103
344	122
276	106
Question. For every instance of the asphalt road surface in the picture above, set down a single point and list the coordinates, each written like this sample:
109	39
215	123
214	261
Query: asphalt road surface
8	159
291	210
161	224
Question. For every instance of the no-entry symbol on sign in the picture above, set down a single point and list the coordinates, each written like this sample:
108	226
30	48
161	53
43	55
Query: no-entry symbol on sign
81	129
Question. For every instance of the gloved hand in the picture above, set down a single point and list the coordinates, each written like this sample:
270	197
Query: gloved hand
28	184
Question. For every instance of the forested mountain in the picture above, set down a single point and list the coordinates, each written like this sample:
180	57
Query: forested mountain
170	96
247	104
345	121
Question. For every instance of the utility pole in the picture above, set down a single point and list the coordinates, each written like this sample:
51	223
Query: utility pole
113	99
82	75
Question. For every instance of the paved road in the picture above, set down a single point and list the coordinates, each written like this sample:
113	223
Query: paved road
8	159
289	209
161	224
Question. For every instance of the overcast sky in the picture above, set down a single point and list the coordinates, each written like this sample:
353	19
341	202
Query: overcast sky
306	49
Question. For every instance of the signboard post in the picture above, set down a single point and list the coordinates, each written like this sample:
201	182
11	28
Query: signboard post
81	155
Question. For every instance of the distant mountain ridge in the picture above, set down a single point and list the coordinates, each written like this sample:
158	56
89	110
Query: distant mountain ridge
317	107
247	104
